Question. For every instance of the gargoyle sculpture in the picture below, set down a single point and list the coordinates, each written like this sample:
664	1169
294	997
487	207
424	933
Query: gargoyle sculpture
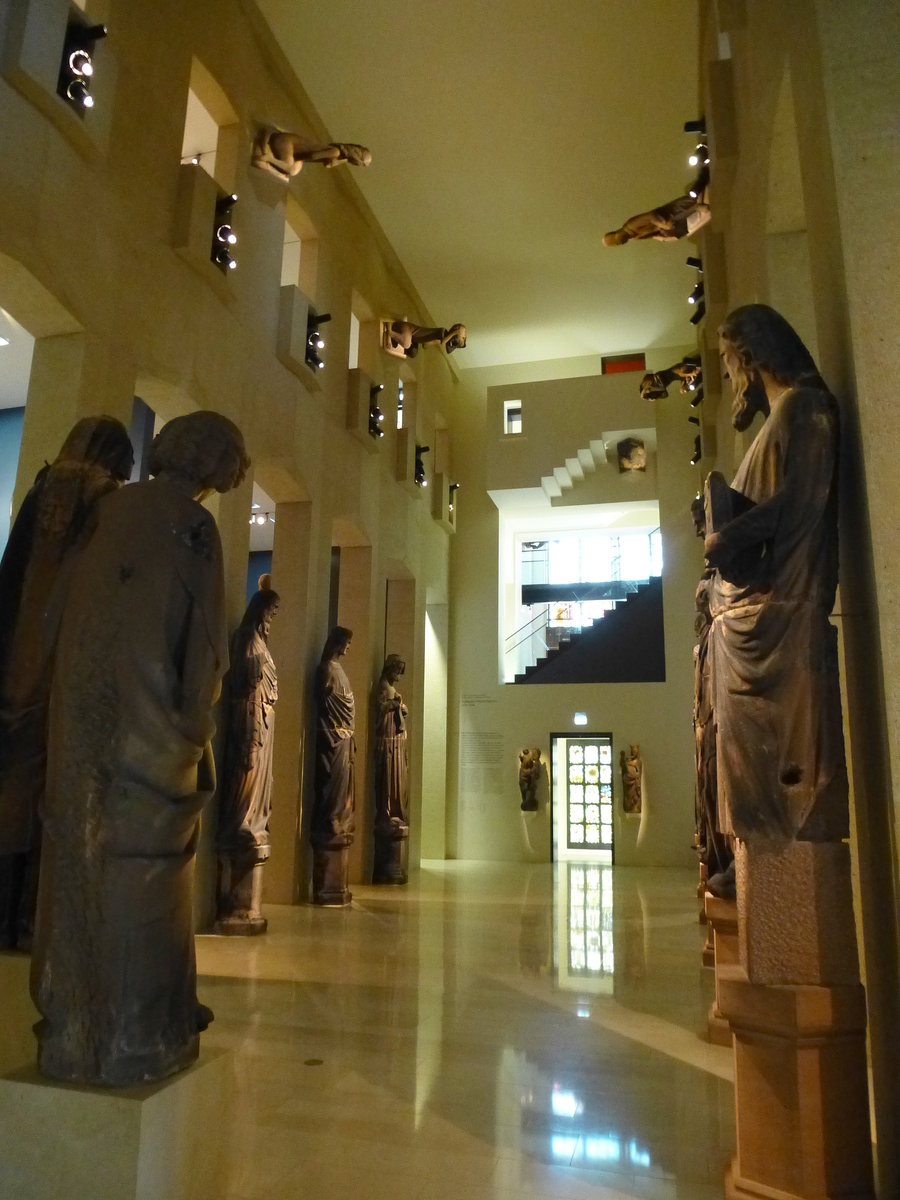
655	385
403	339
283	154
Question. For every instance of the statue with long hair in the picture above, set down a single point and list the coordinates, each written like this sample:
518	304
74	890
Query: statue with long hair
141	651
391	775
333	824
54	520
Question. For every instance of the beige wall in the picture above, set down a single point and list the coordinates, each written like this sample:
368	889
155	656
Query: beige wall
104	259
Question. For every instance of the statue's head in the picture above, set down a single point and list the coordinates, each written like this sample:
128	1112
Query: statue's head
698	516
652	387
101	442
337	643
753	339
394	667
203	447
456	338
617	237
262	608
354	154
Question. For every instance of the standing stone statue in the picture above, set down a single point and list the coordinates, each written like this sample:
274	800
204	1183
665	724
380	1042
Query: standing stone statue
246	794
141	651
391	776
632	772
332	827
55	517
772	538
529	776
715	851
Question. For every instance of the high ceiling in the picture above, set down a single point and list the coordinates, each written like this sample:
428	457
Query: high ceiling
507	137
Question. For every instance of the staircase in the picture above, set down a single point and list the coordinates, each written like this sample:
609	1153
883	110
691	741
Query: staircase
627	646
584	463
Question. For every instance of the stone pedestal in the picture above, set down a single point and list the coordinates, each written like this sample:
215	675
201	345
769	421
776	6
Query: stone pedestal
801	1091
331	868
240	895
391	855
722	917
157	1142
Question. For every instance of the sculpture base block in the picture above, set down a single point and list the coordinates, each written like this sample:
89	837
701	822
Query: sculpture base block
240	925
331	870
801	1092
149	1143
240	894
391	858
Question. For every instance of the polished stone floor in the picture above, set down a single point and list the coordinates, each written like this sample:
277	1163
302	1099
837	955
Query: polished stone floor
488	1031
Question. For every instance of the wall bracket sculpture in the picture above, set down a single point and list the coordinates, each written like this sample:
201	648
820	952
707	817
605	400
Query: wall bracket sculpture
402	339
677	219
655	384
283	154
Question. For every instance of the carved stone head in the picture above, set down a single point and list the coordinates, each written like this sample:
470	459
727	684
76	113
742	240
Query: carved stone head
394	667
756	338
203	447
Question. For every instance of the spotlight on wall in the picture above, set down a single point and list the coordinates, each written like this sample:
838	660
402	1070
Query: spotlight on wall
697	188
376	416
76	66
697	397
698	126
700	155
696	295
693	420
261	518
419	476
699	313
314	340
454	488
698	454
224	238
696	263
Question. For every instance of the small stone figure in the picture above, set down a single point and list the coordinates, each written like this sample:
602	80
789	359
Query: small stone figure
631	454
670	222
772	538
530	768
283	154
403	339
54	519
141	651
632	771
246	795
332	826
391	776
655	384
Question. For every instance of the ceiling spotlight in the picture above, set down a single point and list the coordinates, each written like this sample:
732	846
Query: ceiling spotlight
76	66
697	455
697	398
698	126
314	340
80	63
696	295
700	156
375	389
700	184
696	263
693	420
419	476
224	236
698	314
454	488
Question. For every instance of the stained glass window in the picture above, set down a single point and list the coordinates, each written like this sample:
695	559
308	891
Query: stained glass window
589	799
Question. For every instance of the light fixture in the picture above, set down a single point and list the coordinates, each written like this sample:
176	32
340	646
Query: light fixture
697	455
700	184
454	488
693	420
376	416
76	68
224	237
4	341
696	263
697	398
696	295
314	340
699	313
698	126
419	475
579	718
700	156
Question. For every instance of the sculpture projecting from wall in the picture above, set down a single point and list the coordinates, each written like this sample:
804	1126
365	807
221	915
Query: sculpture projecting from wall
655	384
283	154
772	538
403	339
141	651
332	826
391	776
246	792
55	518
670	222
631	455
530	768
632	773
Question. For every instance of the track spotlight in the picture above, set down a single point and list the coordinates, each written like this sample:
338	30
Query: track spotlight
314	340
700	155
699	313
698	126
696	295
693	420
454	488
700	184
224	236
696	263
376	416
76	68
697	397
698	454
419	476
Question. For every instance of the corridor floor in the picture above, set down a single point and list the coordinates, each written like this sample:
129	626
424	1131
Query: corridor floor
488	1031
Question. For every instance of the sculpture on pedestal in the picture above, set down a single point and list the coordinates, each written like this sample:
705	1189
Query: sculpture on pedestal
141	651
632	772
530	768
391	776
283	154
670	222
715	851
403	339
655	384
246	793
55	518
332	826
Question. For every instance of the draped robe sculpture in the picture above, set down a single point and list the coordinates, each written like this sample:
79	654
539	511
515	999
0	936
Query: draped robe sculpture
333	825
246	793
55	516
141	651
391	776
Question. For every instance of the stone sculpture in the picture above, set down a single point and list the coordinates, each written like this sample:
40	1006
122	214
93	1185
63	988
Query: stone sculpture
391	776
283	154
54	519
715	850
632	772
772	538
655	384
141	651
530	768
246	793
670	222
332	826
403	339
631	455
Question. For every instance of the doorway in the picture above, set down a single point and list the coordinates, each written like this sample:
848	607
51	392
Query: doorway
581	797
